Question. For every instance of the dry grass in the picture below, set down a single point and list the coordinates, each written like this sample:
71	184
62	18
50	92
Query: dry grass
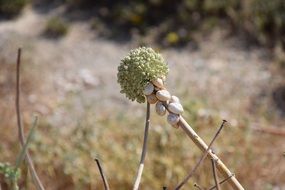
64	155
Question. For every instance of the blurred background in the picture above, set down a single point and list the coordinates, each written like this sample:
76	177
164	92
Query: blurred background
226	60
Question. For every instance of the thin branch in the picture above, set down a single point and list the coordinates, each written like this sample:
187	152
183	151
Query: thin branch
191	173
268	129
215	174
106	185
144	149
203	147
223	181
197	186
35	177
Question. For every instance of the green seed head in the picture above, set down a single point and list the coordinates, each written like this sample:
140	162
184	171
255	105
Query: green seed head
139	67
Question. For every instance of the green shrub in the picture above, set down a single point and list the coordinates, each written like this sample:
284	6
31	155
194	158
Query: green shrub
56	27
11	7
262	20
267	20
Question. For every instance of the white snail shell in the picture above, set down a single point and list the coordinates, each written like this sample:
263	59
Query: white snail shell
152	99
174	99
160	108
163	95
176	126
175	108
149	88
158	83
157	89
172	118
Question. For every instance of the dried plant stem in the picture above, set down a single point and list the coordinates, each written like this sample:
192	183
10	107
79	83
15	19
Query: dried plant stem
268	130
203	157
203	147
21	155
221	182
35	177
215	174
144	149
105	182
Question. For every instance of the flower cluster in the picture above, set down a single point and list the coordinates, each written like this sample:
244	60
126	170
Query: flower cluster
139	67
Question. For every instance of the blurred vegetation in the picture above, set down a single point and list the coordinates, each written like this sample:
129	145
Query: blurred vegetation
67	152
56	27
64	153
11	7
261	21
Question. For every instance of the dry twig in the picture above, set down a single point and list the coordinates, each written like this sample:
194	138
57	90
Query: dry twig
203	157
105	182
35	177
268	130
215	174
221	182
203	147
144	149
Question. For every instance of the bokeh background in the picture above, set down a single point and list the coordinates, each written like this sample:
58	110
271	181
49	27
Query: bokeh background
226	60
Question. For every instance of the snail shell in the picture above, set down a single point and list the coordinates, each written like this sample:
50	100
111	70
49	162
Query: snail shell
176	126
152	99
174	99
175	108
158	83
149	88
157	89
160	109
163	95
172	118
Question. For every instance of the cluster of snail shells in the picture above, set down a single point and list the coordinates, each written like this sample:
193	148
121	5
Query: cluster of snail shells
157	94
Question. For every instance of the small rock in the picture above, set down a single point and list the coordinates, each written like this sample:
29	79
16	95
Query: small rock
87	78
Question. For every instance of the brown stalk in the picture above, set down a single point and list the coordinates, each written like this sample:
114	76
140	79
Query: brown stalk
221	182
268	130
215	174
202	158
105	182
203	147
144	149
21	136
